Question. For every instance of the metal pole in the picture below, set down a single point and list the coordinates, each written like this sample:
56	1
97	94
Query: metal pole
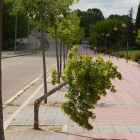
86	49
36	39
118	43
28	35
110	47
43	51
127	43
36	42
104	46
15	34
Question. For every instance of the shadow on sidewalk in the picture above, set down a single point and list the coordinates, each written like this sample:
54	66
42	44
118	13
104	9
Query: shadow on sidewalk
88	137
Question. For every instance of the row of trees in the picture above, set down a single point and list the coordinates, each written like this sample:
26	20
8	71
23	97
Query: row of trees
50	16
55	17
137	26
8	30
107	26
95	23
91	16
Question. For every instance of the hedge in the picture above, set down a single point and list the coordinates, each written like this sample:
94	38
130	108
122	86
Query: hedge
133	55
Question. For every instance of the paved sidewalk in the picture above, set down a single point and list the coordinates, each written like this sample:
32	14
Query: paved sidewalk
118	114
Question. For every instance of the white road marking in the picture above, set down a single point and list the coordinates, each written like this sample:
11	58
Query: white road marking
11	99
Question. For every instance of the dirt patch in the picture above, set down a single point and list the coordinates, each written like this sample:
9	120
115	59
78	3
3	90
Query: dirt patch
48	104
30	128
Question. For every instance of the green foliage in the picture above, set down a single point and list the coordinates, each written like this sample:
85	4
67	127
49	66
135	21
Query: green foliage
129	55
51	10
87	81
105	27
91	16
8	30
107	51
138	38
68	29
54	74
133	55
137	23
102	50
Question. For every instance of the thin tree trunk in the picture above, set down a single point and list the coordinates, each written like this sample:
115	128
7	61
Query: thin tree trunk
64	55
1	109
56	51
66	52
60	59
43	53
38	101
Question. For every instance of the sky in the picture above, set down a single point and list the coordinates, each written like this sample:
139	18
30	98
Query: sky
108	7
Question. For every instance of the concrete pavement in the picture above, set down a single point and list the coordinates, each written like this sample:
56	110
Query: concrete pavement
118	114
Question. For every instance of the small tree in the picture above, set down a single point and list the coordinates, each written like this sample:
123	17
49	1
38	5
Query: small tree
87	81
68	31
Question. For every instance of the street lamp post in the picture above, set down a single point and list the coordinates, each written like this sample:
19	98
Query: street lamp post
104	43
28	35
100	45
97	43
117	29
110	43
15	34
126	25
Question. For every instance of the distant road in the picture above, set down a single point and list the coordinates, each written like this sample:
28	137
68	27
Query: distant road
18	72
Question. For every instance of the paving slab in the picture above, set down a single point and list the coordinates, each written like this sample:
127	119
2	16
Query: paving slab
117	114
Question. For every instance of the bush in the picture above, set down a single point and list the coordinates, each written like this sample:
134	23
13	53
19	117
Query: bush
121	55
133	55
129	55
103	50
107	51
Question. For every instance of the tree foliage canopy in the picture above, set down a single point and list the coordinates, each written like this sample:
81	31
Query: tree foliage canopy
87	80
68	29
105	26
91	16
9	22
138	38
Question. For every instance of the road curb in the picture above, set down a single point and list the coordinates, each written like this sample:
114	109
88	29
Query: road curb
27	53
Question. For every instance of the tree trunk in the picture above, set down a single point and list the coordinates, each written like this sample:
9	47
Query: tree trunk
1	109
60	71
67	52
38	101
43	52
56	51
64	55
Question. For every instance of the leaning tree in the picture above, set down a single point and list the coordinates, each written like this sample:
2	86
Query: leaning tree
87	81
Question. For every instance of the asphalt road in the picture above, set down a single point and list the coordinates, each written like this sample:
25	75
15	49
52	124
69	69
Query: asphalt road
18	72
